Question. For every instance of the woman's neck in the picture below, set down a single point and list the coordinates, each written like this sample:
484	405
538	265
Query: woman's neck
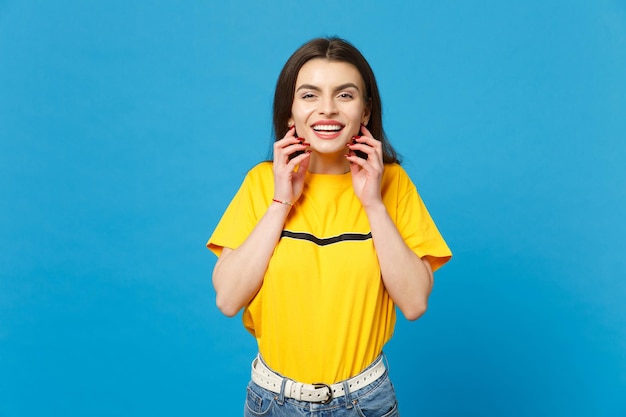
328	164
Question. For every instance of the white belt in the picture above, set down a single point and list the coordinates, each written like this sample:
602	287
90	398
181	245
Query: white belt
316	393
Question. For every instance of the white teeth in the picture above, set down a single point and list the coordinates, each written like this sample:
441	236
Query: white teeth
331	128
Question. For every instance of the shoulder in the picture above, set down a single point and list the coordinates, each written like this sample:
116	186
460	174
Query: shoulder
396	183
394	170
394	173
262	168
258	182
262	171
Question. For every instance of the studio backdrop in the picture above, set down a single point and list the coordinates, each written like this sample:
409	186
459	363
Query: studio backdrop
126	127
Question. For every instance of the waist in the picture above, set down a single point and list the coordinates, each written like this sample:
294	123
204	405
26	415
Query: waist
266	378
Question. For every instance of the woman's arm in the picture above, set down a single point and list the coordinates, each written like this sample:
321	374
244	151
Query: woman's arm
407	278
238	273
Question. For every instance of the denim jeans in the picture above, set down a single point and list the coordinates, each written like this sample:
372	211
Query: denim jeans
378	399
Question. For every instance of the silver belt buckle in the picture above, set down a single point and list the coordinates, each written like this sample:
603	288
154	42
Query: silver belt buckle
330	391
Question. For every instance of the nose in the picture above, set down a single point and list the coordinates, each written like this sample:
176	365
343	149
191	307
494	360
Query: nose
328	106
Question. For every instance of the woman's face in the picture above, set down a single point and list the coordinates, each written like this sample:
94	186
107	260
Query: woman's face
329	106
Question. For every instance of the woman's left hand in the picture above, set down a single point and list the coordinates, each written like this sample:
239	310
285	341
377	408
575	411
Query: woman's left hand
367	173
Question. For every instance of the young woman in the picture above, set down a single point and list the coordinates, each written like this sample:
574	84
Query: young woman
321	244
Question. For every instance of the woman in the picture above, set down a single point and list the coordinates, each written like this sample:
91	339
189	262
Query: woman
320	245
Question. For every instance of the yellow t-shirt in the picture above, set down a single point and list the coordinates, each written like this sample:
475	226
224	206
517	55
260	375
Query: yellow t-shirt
322	313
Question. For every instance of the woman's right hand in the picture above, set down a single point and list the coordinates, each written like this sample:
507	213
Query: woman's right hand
289	182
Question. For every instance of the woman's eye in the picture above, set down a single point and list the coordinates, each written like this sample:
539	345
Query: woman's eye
345	95
308	95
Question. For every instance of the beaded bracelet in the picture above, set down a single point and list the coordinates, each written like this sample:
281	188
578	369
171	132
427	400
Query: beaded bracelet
287	203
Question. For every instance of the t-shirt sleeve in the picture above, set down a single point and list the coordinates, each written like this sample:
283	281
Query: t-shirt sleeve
418	228
242	214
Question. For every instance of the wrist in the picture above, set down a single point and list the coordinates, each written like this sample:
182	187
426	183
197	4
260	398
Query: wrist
375	209
283	202
280	206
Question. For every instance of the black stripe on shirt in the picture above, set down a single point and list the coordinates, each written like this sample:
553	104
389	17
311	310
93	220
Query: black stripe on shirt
326	241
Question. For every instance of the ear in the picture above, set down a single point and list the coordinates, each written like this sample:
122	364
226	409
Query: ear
367	112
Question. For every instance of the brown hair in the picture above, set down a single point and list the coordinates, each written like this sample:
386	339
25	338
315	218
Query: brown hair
338	50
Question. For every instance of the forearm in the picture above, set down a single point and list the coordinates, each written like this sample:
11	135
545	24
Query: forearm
407	278
238	273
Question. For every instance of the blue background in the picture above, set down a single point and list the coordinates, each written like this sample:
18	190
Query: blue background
126	127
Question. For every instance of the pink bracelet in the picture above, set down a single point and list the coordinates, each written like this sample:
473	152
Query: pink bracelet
282	202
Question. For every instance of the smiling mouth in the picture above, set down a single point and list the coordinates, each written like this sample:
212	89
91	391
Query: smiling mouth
327	128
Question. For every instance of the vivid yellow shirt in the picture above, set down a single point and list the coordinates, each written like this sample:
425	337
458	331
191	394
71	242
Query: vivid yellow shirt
322	313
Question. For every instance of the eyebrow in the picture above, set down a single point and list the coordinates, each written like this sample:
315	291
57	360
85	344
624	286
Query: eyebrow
338	88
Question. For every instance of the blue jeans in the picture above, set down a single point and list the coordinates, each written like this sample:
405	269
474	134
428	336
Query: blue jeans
378	399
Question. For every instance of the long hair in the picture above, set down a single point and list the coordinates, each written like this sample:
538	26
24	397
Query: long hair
337	50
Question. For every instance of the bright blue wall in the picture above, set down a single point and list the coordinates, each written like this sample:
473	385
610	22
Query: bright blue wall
126	127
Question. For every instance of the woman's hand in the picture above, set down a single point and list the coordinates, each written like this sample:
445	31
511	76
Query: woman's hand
367	173
289	183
